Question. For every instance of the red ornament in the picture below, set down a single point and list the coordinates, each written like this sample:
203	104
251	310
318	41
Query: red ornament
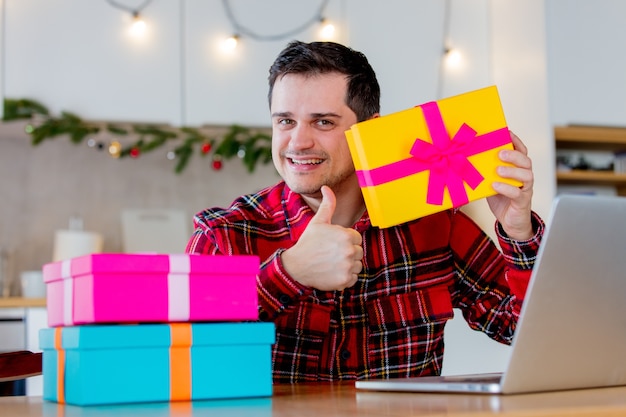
206	148
134	152
217	164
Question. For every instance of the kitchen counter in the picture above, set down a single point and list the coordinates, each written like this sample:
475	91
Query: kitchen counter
21	302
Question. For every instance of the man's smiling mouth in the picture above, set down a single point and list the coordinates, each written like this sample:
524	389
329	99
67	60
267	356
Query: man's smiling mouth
305	161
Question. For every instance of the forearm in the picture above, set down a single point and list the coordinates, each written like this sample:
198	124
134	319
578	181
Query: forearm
520	257
491	284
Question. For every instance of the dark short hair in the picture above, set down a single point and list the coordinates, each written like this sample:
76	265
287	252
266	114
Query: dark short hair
363	95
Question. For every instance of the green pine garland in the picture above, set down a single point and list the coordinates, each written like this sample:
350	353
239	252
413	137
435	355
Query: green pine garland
252	147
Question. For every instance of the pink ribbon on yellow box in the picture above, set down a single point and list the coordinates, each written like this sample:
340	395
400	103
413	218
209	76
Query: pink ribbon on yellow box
395	177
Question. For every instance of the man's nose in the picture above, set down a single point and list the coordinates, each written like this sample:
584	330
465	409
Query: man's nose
302	137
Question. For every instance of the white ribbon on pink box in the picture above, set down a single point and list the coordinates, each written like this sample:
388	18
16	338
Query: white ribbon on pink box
178	287
68	292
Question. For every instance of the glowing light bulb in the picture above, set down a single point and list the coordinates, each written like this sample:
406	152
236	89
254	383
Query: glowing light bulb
453	58
138	27
328	29
230	44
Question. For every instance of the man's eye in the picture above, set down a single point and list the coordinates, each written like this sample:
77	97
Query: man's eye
285	122
325	123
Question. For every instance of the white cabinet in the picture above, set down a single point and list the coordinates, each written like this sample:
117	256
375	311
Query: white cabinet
12	329
36	319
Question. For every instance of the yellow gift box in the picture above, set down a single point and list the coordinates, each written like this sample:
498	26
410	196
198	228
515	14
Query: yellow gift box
430	158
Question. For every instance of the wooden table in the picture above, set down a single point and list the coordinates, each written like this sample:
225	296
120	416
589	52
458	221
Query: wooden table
339	400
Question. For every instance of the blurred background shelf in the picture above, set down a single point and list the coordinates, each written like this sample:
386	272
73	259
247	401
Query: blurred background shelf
591	177
591	138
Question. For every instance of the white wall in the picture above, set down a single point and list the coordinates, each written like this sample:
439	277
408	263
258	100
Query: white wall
76	56
586	40
554	61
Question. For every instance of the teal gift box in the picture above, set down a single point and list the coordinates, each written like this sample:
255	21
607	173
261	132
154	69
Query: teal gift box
138	363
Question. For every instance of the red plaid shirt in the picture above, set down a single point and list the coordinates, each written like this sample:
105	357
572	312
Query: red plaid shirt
391	323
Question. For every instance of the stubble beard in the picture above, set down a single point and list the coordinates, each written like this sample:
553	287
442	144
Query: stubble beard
304	185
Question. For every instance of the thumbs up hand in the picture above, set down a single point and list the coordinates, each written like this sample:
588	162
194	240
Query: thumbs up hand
327	207
327	257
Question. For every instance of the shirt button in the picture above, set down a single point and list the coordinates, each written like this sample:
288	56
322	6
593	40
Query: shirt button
345	354
284	299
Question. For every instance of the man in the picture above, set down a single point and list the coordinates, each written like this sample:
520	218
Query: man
350	300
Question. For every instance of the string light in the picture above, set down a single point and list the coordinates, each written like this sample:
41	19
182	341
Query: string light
453	58
446	56
230	44
327	30
138	26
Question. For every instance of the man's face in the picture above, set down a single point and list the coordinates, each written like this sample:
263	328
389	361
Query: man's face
309	118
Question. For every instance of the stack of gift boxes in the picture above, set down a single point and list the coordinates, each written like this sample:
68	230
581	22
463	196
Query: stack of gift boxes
130	328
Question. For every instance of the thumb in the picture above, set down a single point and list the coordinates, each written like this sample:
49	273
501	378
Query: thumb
327	207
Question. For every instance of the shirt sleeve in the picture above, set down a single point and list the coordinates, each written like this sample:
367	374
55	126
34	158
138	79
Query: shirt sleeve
277	290
200	244
520	256
491	282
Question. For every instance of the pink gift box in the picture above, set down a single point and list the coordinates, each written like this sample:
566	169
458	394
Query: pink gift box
138	288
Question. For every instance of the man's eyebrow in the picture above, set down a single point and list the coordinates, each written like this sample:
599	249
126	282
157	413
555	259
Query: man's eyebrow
288	114
324	115
282	114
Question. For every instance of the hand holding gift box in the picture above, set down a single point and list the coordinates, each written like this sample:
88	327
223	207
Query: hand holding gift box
430	158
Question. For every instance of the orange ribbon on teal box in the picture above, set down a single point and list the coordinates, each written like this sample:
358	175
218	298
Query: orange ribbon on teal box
179	362
135	363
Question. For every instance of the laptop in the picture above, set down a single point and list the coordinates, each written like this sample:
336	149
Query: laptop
571	333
